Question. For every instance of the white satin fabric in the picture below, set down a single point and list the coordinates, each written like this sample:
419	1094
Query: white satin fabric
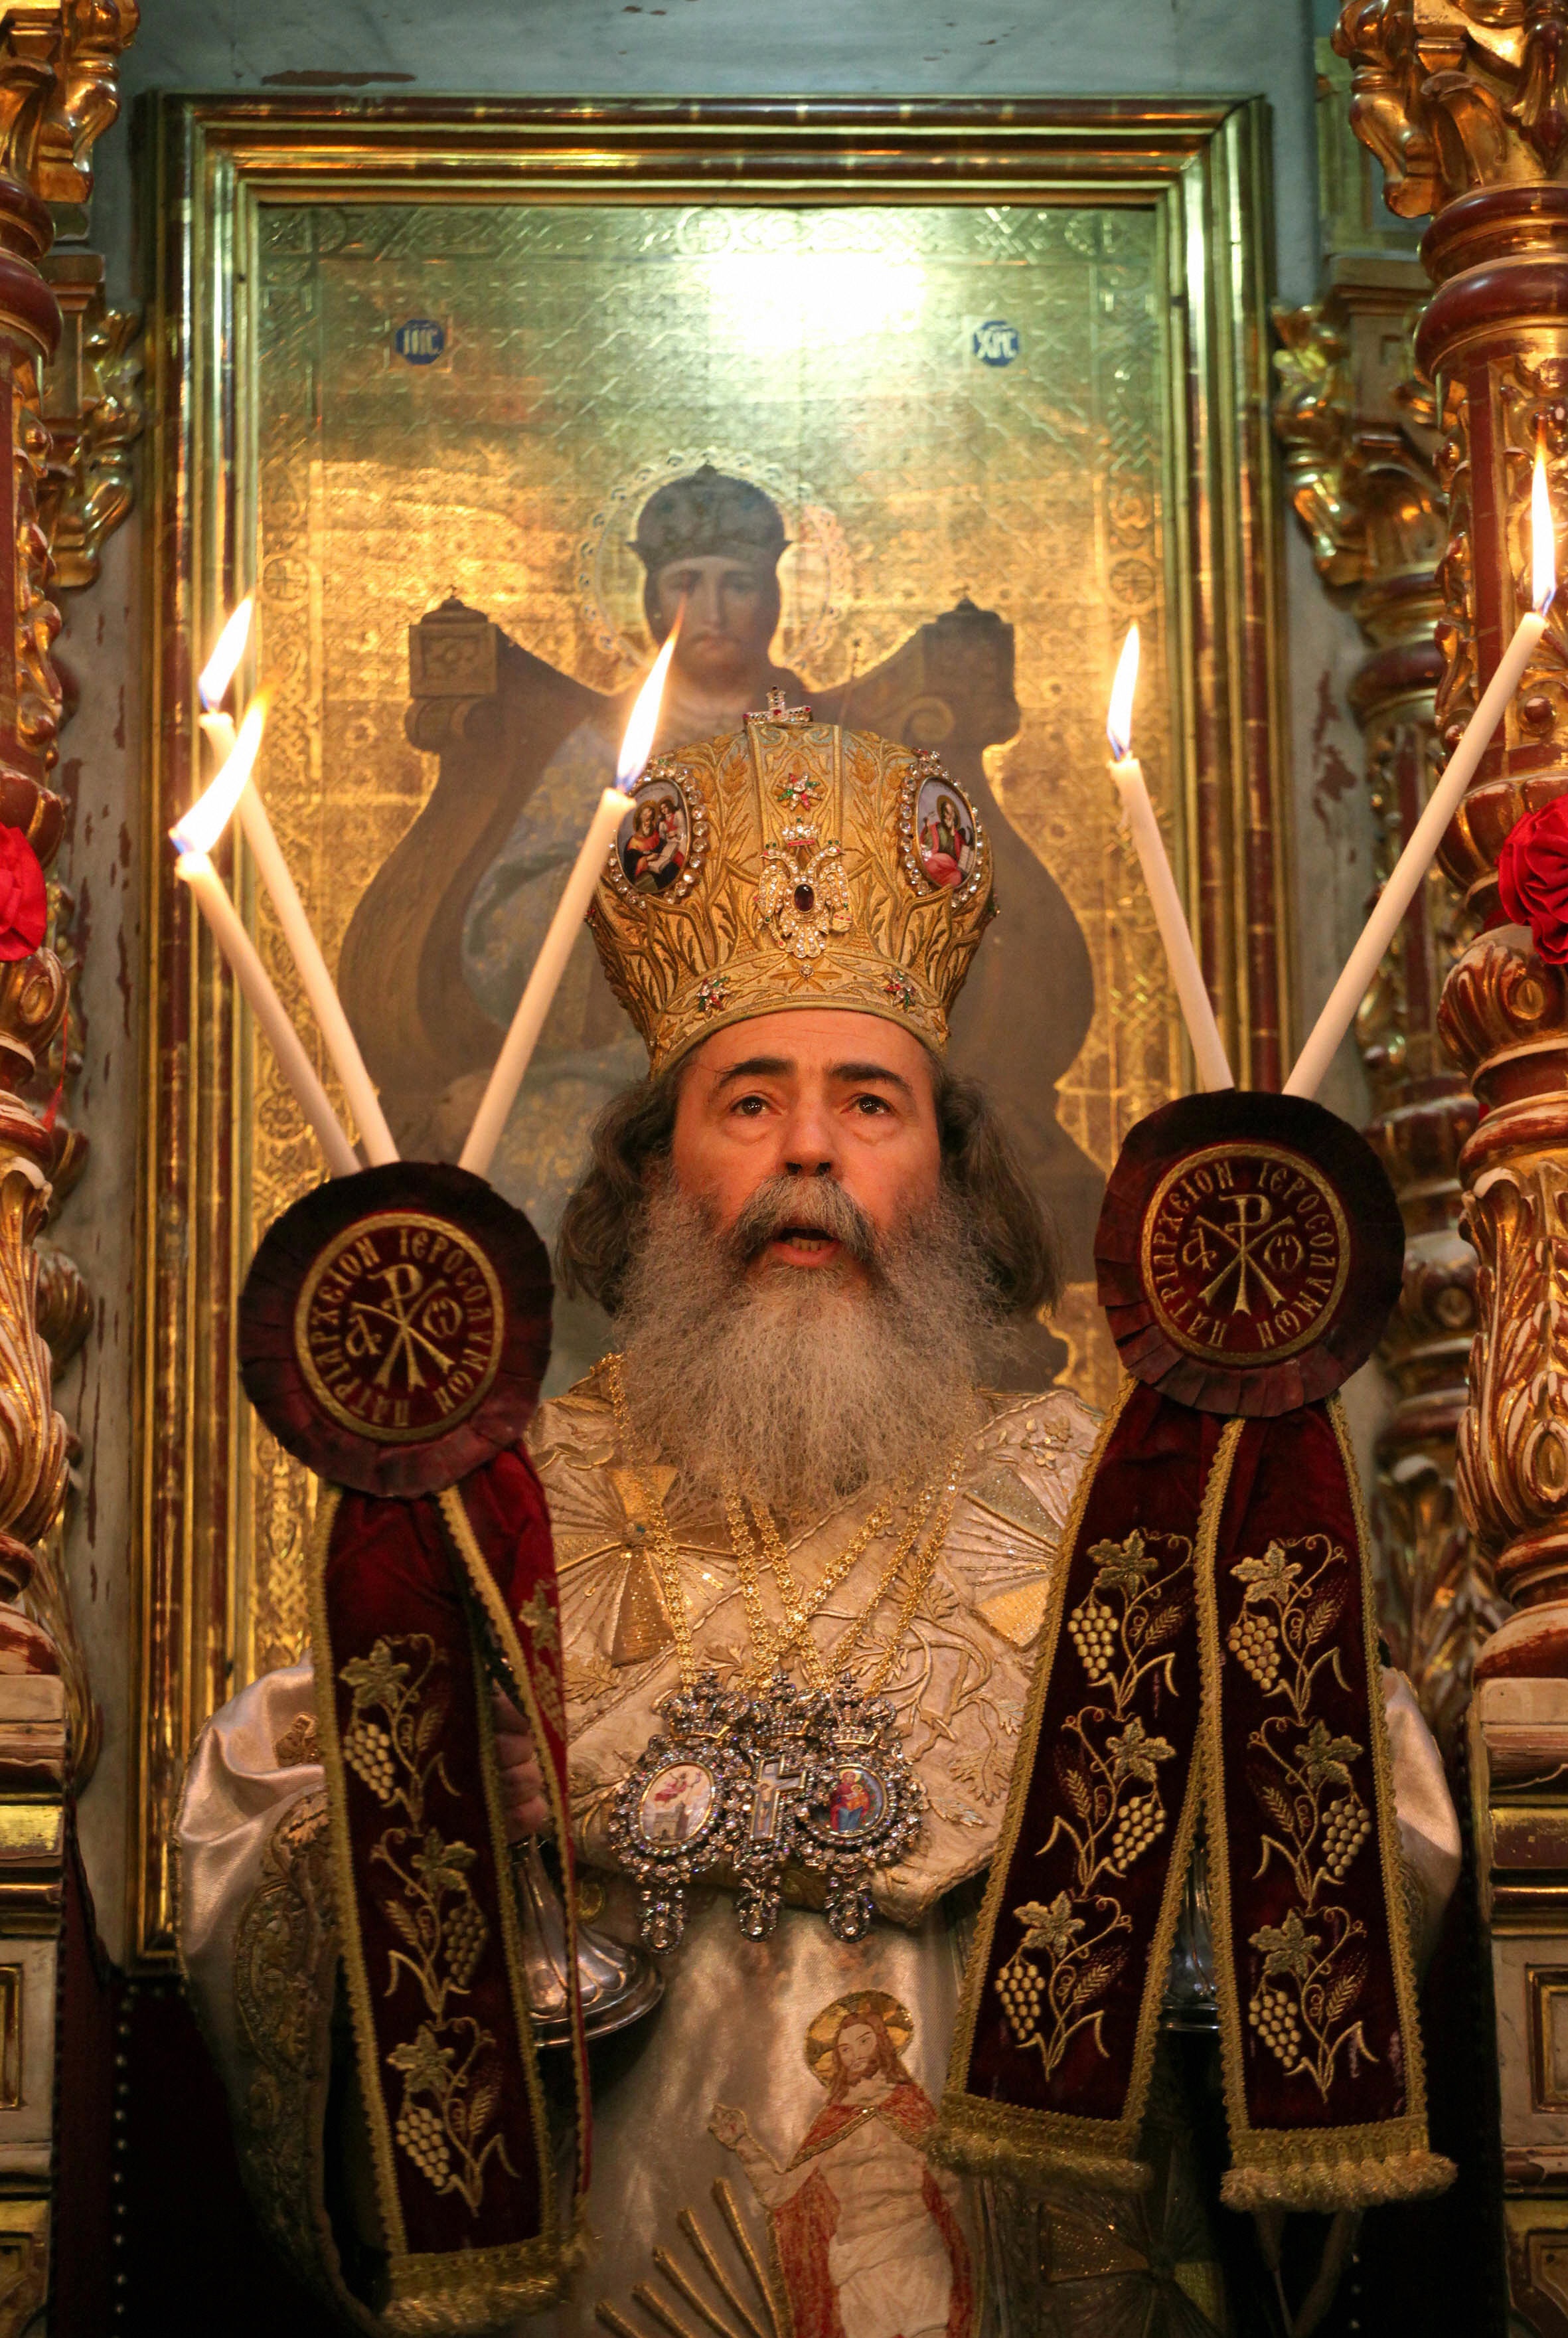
734	2034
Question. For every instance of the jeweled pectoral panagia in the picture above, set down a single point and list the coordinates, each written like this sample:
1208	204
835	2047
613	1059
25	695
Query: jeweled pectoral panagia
804	1560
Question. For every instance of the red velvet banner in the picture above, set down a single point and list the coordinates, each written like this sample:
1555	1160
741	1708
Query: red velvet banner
419	1605
1210	1646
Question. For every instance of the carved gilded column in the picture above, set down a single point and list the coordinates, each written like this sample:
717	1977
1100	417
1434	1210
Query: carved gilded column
56	94
1465	104
1359	459
1468	108
65	474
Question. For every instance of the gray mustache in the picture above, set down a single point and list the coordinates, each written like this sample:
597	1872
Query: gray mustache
813	1203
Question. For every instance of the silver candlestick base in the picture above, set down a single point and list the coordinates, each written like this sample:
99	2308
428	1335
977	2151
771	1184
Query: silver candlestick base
1190	1999
618	1985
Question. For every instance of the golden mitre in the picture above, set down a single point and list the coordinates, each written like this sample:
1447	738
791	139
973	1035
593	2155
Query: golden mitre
791	864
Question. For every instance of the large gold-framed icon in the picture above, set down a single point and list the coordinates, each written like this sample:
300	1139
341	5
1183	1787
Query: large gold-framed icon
443	380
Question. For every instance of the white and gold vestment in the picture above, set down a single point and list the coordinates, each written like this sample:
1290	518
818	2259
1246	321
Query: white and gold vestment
745	2026
715	2115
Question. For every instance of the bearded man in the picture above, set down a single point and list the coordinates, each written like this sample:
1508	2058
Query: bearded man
803	1560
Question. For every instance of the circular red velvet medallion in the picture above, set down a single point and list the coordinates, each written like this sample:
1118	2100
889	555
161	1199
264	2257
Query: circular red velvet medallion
1249	1249
395	1327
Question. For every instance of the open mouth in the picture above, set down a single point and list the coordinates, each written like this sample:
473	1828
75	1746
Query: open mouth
810	1240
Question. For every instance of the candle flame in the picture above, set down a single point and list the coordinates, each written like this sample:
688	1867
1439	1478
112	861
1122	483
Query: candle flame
1542	540
1119	721
219	670
638	744
210	815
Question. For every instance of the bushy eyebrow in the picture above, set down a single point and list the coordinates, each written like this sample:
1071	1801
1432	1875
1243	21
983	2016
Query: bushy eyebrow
857	1072
755	1068
763	1068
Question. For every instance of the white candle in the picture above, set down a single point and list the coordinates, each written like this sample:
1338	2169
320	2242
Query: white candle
1191	990
213	681
273	870
319	988
195	869
517	1047
194	838
1421	848
218	730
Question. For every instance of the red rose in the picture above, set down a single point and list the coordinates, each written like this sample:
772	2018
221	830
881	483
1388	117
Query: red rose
24	901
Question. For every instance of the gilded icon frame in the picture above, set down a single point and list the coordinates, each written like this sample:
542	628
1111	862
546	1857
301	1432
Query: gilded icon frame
1202	167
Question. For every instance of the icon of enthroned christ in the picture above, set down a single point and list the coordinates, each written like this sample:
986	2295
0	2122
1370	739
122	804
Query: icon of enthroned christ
441	942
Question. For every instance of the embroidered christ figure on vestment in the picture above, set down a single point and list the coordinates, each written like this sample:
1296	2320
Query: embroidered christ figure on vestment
867	2230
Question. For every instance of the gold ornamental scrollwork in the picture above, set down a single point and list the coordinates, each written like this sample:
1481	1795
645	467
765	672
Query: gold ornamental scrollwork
1502	998
1453	95
32	1435
1504	1014
1361	482
58	93
1372	485
92	410
1312	420
1514	1440
37	620
1455	628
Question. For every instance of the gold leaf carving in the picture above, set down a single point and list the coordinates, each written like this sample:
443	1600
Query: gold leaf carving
1500	996
33	1436
38	691
92	411
57	92
1383	497
1453	95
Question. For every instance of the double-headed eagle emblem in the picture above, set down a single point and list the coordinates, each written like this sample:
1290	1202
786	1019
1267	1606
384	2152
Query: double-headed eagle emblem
803	897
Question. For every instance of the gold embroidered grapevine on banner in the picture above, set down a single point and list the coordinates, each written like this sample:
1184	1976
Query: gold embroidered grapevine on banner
1318	1821
446	2104
1108	1762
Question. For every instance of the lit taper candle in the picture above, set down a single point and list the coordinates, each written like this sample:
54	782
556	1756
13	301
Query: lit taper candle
1410	869
274	872
1191	990
517	1049
193	839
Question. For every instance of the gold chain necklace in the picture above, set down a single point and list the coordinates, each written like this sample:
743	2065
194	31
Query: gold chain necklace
771	1648
768	1647
752	1778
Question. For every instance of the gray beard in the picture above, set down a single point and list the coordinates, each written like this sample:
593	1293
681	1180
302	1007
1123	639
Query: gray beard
804	1385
